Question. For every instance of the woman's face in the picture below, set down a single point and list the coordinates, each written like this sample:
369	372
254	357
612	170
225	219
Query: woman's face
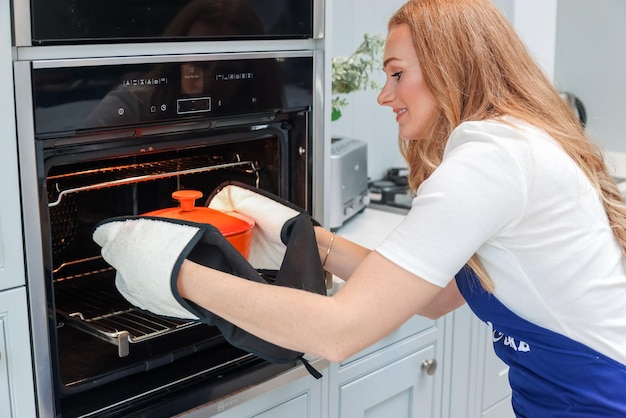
405	90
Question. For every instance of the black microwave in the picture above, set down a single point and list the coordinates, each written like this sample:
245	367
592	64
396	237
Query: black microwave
67	22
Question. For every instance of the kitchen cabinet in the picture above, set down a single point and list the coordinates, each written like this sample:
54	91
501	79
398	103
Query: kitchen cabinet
16	381
407	391
402	379
17	397
400	375
477	381
11	250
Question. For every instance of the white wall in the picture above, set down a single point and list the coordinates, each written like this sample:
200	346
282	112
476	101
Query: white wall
591	63
363	118
581	45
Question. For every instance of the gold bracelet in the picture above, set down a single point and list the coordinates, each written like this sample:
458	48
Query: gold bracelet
328	276
330	246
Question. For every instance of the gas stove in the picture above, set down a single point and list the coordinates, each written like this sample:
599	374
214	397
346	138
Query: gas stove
391	192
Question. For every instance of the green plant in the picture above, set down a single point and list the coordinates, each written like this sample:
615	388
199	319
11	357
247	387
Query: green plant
354	73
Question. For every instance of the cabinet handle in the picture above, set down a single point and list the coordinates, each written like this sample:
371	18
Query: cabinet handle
429	366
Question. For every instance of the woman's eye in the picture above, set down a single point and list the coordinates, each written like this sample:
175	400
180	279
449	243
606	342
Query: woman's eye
397	75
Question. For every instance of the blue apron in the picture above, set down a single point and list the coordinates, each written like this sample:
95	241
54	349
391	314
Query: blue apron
550	375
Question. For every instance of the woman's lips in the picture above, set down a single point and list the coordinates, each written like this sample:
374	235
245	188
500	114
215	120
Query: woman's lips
399	113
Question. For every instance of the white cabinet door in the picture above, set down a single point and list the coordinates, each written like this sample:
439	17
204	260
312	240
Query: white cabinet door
16	378
477	380
400	389
502	409
11	253
496	384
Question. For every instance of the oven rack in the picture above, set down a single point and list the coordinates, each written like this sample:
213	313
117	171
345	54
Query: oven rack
91	303
65	184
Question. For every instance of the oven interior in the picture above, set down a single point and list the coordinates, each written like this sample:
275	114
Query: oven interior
108	350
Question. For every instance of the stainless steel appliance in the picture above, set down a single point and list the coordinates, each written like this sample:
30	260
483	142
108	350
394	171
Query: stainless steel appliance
63	22
116	136
348	193
391	192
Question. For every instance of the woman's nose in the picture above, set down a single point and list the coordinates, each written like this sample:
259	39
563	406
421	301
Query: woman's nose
384	97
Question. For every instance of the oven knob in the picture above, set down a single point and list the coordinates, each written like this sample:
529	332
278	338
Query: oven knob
348	211
365	200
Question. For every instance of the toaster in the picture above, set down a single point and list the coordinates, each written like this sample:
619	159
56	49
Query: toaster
349	193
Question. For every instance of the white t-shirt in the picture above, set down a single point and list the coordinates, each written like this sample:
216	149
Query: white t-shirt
512	195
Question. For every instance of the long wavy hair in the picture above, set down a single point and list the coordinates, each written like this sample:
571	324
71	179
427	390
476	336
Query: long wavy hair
478	68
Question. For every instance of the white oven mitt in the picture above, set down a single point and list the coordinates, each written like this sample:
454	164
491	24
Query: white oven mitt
147	253
272	215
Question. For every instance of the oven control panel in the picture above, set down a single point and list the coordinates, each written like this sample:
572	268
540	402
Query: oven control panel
69	100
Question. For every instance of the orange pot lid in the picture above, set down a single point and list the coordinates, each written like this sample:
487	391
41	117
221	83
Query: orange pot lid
228	223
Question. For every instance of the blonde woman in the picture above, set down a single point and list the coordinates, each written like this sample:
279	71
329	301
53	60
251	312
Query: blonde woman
507	184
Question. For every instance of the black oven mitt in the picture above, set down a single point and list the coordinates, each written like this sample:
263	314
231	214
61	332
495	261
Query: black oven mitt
147	253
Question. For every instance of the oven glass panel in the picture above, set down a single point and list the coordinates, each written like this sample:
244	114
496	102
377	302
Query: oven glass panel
79	21
107	351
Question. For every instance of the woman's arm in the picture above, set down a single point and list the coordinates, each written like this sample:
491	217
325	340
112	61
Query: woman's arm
446	301
344	255
378	298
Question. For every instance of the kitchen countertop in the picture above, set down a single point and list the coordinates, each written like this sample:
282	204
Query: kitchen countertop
368	228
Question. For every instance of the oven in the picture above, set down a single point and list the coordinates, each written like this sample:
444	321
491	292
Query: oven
105	137
74	22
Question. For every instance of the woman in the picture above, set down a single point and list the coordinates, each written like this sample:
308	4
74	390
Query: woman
506	182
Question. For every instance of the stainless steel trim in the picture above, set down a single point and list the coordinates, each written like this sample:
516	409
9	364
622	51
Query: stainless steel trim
60	52
319	12
318	138
155	59
223	404
21	21
33	240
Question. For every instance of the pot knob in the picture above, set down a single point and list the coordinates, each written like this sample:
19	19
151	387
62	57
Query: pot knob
187	199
